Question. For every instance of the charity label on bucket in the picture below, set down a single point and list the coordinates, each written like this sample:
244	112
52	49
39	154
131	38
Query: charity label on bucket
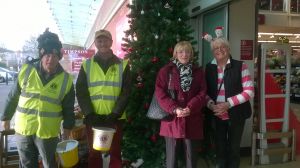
67	153
102	138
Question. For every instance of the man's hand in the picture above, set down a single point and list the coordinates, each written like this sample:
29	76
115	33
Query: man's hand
112	117
5	125
66	134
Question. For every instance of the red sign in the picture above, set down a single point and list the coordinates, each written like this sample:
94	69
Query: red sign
246	49
261	19
73	58
80	53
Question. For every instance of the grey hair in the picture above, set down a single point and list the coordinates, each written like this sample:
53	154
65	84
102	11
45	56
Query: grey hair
219	42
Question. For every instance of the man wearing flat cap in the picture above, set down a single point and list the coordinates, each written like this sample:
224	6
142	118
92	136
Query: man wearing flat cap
103	87
41	98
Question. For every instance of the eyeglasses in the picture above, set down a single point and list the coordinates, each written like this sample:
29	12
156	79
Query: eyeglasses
219	48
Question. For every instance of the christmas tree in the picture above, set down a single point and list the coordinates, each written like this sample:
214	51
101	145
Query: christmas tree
155	27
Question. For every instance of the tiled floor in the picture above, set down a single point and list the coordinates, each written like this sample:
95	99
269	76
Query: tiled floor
246	163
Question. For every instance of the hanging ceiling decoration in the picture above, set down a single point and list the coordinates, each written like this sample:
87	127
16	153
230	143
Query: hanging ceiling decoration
74	18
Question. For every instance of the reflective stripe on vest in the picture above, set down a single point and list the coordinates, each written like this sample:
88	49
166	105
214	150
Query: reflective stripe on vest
39	108
104	88
38	113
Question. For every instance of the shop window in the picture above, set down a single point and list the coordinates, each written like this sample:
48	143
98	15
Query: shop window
295	6
277	5
273	5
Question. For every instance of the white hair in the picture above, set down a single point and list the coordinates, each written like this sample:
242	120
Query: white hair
219	42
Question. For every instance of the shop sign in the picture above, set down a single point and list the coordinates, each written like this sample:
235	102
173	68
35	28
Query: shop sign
72	58
246	49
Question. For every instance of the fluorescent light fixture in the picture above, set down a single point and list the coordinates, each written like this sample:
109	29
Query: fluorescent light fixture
262	33
266	41
284	34
294	41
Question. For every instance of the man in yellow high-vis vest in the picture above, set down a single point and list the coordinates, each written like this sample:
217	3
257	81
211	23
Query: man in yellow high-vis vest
102	91
41	98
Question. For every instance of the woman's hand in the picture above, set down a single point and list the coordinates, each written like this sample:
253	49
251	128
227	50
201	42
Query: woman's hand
220	108
183	112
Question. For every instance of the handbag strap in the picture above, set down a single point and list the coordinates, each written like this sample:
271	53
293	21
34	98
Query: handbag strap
169	83
219	89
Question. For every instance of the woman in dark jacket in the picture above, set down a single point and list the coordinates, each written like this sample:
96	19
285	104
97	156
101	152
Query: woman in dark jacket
229	89
183	129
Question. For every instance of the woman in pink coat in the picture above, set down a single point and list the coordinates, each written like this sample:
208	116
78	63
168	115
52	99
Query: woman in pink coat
183	130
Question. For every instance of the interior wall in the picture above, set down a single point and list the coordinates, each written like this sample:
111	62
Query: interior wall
242	27
117	25
106	13
282	19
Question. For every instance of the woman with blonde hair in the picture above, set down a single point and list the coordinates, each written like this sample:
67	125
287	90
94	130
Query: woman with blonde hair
183	128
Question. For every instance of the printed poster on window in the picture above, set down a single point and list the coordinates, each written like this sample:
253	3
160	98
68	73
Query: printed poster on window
246	49
72	59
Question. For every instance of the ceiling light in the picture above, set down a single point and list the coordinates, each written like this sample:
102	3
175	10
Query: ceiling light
266	41
294	41
262	33
283	34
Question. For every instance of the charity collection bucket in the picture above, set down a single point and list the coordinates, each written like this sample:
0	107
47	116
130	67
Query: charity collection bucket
67	153
102	138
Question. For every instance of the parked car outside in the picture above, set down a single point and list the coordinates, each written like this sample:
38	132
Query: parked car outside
9	76
2	79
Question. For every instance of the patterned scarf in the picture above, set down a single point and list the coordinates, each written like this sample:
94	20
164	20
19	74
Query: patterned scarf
185	72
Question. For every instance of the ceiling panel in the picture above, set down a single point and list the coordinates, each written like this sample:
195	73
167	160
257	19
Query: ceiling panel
74	18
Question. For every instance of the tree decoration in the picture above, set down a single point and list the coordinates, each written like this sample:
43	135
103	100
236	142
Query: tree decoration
148	53
179	19
146	106
167	6
138	163
139	78
170	50
154	59
177	37
140	85
142	12
153	138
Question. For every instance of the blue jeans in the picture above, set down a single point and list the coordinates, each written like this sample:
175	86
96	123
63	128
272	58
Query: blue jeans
30	147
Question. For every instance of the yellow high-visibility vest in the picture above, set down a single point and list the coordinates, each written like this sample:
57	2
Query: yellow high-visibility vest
39	109
104	88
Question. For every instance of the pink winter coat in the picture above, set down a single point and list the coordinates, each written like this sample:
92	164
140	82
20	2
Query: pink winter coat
190	127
